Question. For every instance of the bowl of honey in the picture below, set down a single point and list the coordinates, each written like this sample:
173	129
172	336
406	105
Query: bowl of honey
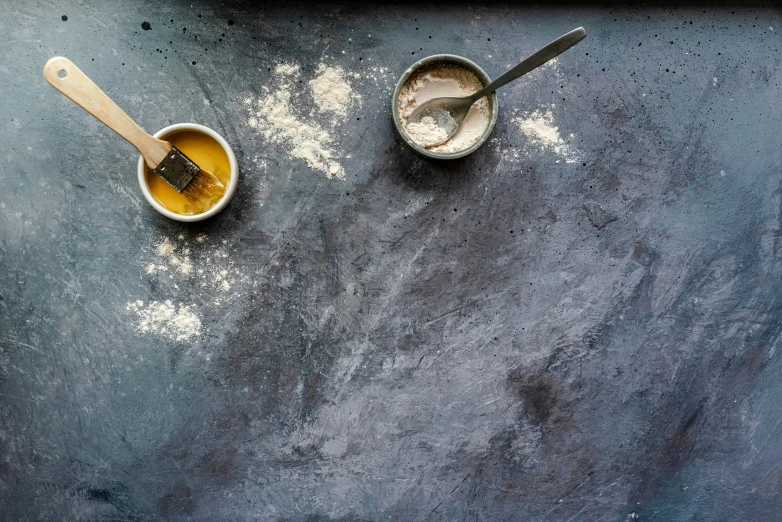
209	151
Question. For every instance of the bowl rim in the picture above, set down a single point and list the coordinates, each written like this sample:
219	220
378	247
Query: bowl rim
448	58
233	180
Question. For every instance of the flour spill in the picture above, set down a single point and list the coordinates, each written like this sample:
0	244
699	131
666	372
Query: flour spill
287	69
542	136
197	265
309	114
542	132
173	321
279	114
332	92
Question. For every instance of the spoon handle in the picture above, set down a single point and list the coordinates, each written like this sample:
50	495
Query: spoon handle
555	48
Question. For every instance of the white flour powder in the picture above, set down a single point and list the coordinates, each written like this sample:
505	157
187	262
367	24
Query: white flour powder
175	322
301	122
179	261
540	128
427	132
287	69
279	125
165	248
436	81
331	91
213	269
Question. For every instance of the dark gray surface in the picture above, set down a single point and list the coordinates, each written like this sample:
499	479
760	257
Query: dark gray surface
486	340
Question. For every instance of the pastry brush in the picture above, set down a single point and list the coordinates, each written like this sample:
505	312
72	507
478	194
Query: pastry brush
201	188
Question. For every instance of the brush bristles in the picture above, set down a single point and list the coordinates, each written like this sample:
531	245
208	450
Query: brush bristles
203	191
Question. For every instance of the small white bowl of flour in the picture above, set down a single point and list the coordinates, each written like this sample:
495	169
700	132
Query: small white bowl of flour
434	77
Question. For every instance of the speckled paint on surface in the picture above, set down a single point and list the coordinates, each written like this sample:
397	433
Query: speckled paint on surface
499	338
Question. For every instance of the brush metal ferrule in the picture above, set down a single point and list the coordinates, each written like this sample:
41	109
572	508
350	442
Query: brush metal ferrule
177	169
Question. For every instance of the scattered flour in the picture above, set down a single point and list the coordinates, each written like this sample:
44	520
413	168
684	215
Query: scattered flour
213	269
175	322
540	128
152	268
177	261
331	91
165	248
539	125
302	122
378	75
184	266
287	69
308	141
435	81
218	274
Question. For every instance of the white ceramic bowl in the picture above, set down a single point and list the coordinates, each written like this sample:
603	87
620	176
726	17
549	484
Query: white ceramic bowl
229	191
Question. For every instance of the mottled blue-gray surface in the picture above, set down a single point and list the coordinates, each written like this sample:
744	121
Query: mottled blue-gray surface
500	338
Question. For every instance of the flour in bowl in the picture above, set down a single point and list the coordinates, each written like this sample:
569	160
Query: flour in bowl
426	132
443	80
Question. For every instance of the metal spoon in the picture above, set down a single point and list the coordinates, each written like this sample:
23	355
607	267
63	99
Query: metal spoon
449	113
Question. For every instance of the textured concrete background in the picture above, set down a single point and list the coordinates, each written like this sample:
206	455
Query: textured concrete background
492	339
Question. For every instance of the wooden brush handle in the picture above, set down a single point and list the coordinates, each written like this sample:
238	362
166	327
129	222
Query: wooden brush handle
64	76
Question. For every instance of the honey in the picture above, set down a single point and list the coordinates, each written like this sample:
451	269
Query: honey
206	152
